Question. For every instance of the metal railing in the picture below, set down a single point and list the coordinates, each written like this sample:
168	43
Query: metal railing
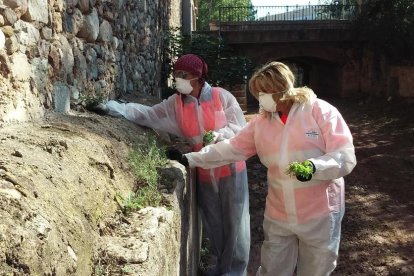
288	13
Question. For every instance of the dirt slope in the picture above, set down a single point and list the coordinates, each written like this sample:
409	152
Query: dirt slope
58	181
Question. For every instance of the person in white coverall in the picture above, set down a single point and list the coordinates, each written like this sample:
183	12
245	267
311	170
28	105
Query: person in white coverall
222	192
302	219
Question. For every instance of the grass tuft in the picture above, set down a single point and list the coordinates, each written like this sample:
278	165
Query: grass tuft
144	161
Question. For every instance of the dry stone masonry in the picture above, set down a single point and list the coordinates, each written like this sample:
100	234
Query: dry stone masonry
61	172
54	53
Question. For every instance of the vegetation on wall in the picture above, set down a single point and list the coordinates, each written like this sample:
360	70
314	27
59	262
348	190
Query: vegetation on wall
173	41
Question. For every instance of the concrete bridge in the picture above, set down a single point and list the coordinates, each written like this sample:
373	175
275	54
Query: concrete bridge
324	52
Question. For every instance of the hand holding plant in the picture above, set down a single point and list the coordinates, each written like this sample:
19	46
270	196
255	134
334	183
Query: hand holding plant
303	171
208	137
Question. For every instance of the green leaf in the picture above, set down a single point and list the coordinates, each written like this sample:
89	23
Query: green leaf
303	169
208	137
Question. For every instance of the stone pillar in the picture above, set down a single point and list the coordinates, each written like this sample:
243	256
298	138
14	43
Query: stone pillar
188	21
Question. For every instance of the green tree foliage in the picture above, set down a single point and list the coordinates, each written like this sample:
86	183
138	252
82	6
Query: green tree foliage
343	2
337	10
208	10
388	25
225	67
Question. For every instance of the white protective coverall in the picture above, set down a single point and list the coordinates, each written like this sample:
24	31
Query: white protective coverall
222	192
302	220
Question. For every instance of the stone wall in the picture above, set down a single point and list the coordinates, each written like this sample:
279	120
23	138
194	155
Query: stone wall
60	173
72	49
376	76
401	79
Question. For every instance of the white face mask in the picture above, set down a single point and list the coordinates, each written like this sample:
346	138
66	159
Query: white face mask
183	86
266	102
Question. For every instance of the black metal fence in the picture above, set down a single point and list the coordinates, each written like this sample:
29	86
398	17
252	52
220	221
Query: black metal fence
288	13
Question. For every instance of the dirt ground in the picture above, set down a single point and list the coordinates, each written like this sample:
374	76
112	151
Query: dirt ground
378	227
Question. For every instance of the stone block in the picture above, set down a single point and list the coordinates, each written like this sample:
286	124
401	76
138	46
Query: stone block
61	97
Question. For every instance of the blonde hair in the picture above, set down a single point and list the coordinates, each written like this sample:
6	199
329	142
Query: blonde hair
276	78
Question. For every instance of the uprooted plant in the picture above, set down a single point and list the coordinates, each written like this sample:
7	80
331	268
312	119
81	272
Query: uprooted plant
208	137
302	169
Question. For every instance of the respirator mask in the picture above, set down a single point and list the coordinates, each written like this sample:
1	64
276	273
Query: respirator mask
267	102
183	86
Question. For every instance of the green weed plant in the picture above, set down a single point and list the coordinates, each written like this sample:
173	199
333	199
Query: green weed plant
144	161
208	137
91	97
303	169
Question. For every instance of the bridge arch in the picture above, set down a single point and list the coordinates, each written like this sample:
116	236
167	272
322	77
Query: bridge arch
322	75
318	66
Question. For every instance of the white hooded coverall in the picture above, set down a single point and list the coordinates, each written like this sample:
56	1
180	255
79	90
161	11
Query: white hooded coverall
222	192
302	220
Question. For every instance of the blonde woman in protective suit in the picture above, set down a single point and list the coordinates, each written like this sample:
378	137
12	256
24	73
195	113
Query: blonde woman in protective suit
302	219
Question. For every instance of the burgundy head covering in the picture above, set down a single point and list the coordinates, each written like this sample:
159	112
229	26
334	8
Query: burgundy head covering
191	63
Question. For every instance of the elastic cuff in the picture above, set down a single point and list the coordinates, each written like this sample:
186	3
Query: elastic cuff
304	179
190	162
184	161
313	167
